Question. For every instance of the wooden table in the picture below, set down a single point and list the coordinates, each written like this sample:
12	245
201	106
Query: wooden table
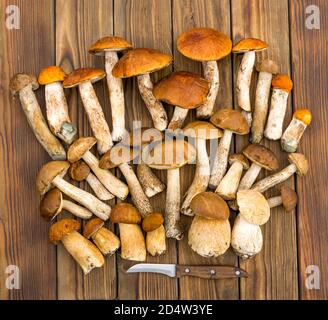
59	32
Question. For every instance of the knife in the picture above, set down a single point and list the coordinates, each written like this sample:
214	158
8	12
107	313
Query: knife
205	272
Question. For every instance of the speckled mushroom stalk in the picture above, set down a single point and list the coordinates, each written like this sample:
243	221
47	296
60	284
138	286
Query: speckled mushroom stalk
149	182
23	85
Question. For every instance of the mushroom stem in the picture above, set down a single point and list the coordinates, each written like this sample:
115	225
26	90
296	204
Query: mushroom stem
76	210
275	201
292	135
98	188
178	118
96	117
38	124
249	177
106	241
201	178
156	241
111	183
100	209
211	74
154	106
116	96
221	160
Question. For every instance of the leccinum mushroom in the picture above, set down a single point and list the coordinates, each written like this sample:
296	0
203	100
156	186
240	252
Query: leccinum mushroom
82	250
266	69
293	133
56	104
84	78
282	85
108	47
249	47
53	203
287	198
23	85
106	241
208	46
232	121
185	91
81	149
52	173
201	131
141	62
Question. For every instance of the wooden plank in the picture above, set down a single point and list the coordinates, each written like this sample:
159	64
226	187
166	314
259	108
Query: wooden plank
23	234
215	14
273	274
78	25
146	23
309	57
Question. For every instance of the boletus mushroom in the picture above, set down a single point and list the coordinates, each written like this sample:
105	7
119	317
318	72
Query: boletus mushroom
288	199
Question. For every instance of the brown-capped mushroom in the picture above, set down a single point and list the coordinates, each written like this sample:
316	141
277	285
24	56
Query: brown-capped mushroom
287	198
84	78
208	46
141	62
23	85
84	252
56	104
52	173
105	240
109	47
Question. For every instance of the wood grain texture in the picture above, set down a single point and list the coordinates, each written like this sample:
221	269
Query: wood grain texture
273	273
310	64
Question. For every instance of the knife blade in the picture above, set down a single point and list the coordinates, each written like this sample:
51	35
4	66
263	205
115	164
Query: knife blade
205	272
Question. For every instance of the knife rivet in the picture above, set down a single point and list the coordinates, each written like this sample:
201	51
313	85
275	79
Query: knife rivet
237	273
212	272
187	270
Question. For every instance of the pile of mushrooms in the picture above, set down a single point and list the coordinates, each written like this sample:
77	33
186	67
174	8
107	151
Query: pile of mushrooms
170	145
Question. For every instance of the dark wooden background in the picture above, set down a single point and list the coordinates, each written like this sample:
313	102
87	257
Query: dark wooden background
59	32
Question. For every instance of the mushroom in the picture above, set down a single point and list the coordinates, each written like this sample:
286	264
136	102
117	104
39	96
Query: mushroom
287	198
133	245
52	173
266	69
299	164
141	62
109	47
56	104
248	47
170	155
80	171
201	131
210	231
53	203
228	186
232	121
80	149
82	250
185	91
208	46
23	85
84	78
293	133
105	240
282	85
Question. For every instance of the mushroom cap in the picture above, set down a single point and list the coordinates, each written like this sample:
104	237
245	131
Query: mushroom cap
63	228
202	130
79	147
183	89
111	43
268	66
79	170
51	204
49	172
152	222
142	136
300	161
229	119
117	155
289	198
125	213
209	205
82	75
249	44
140	61
21	80
51	74
303	115
282	82
238	157
204	44
253	206
169	154
92	226
262	156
